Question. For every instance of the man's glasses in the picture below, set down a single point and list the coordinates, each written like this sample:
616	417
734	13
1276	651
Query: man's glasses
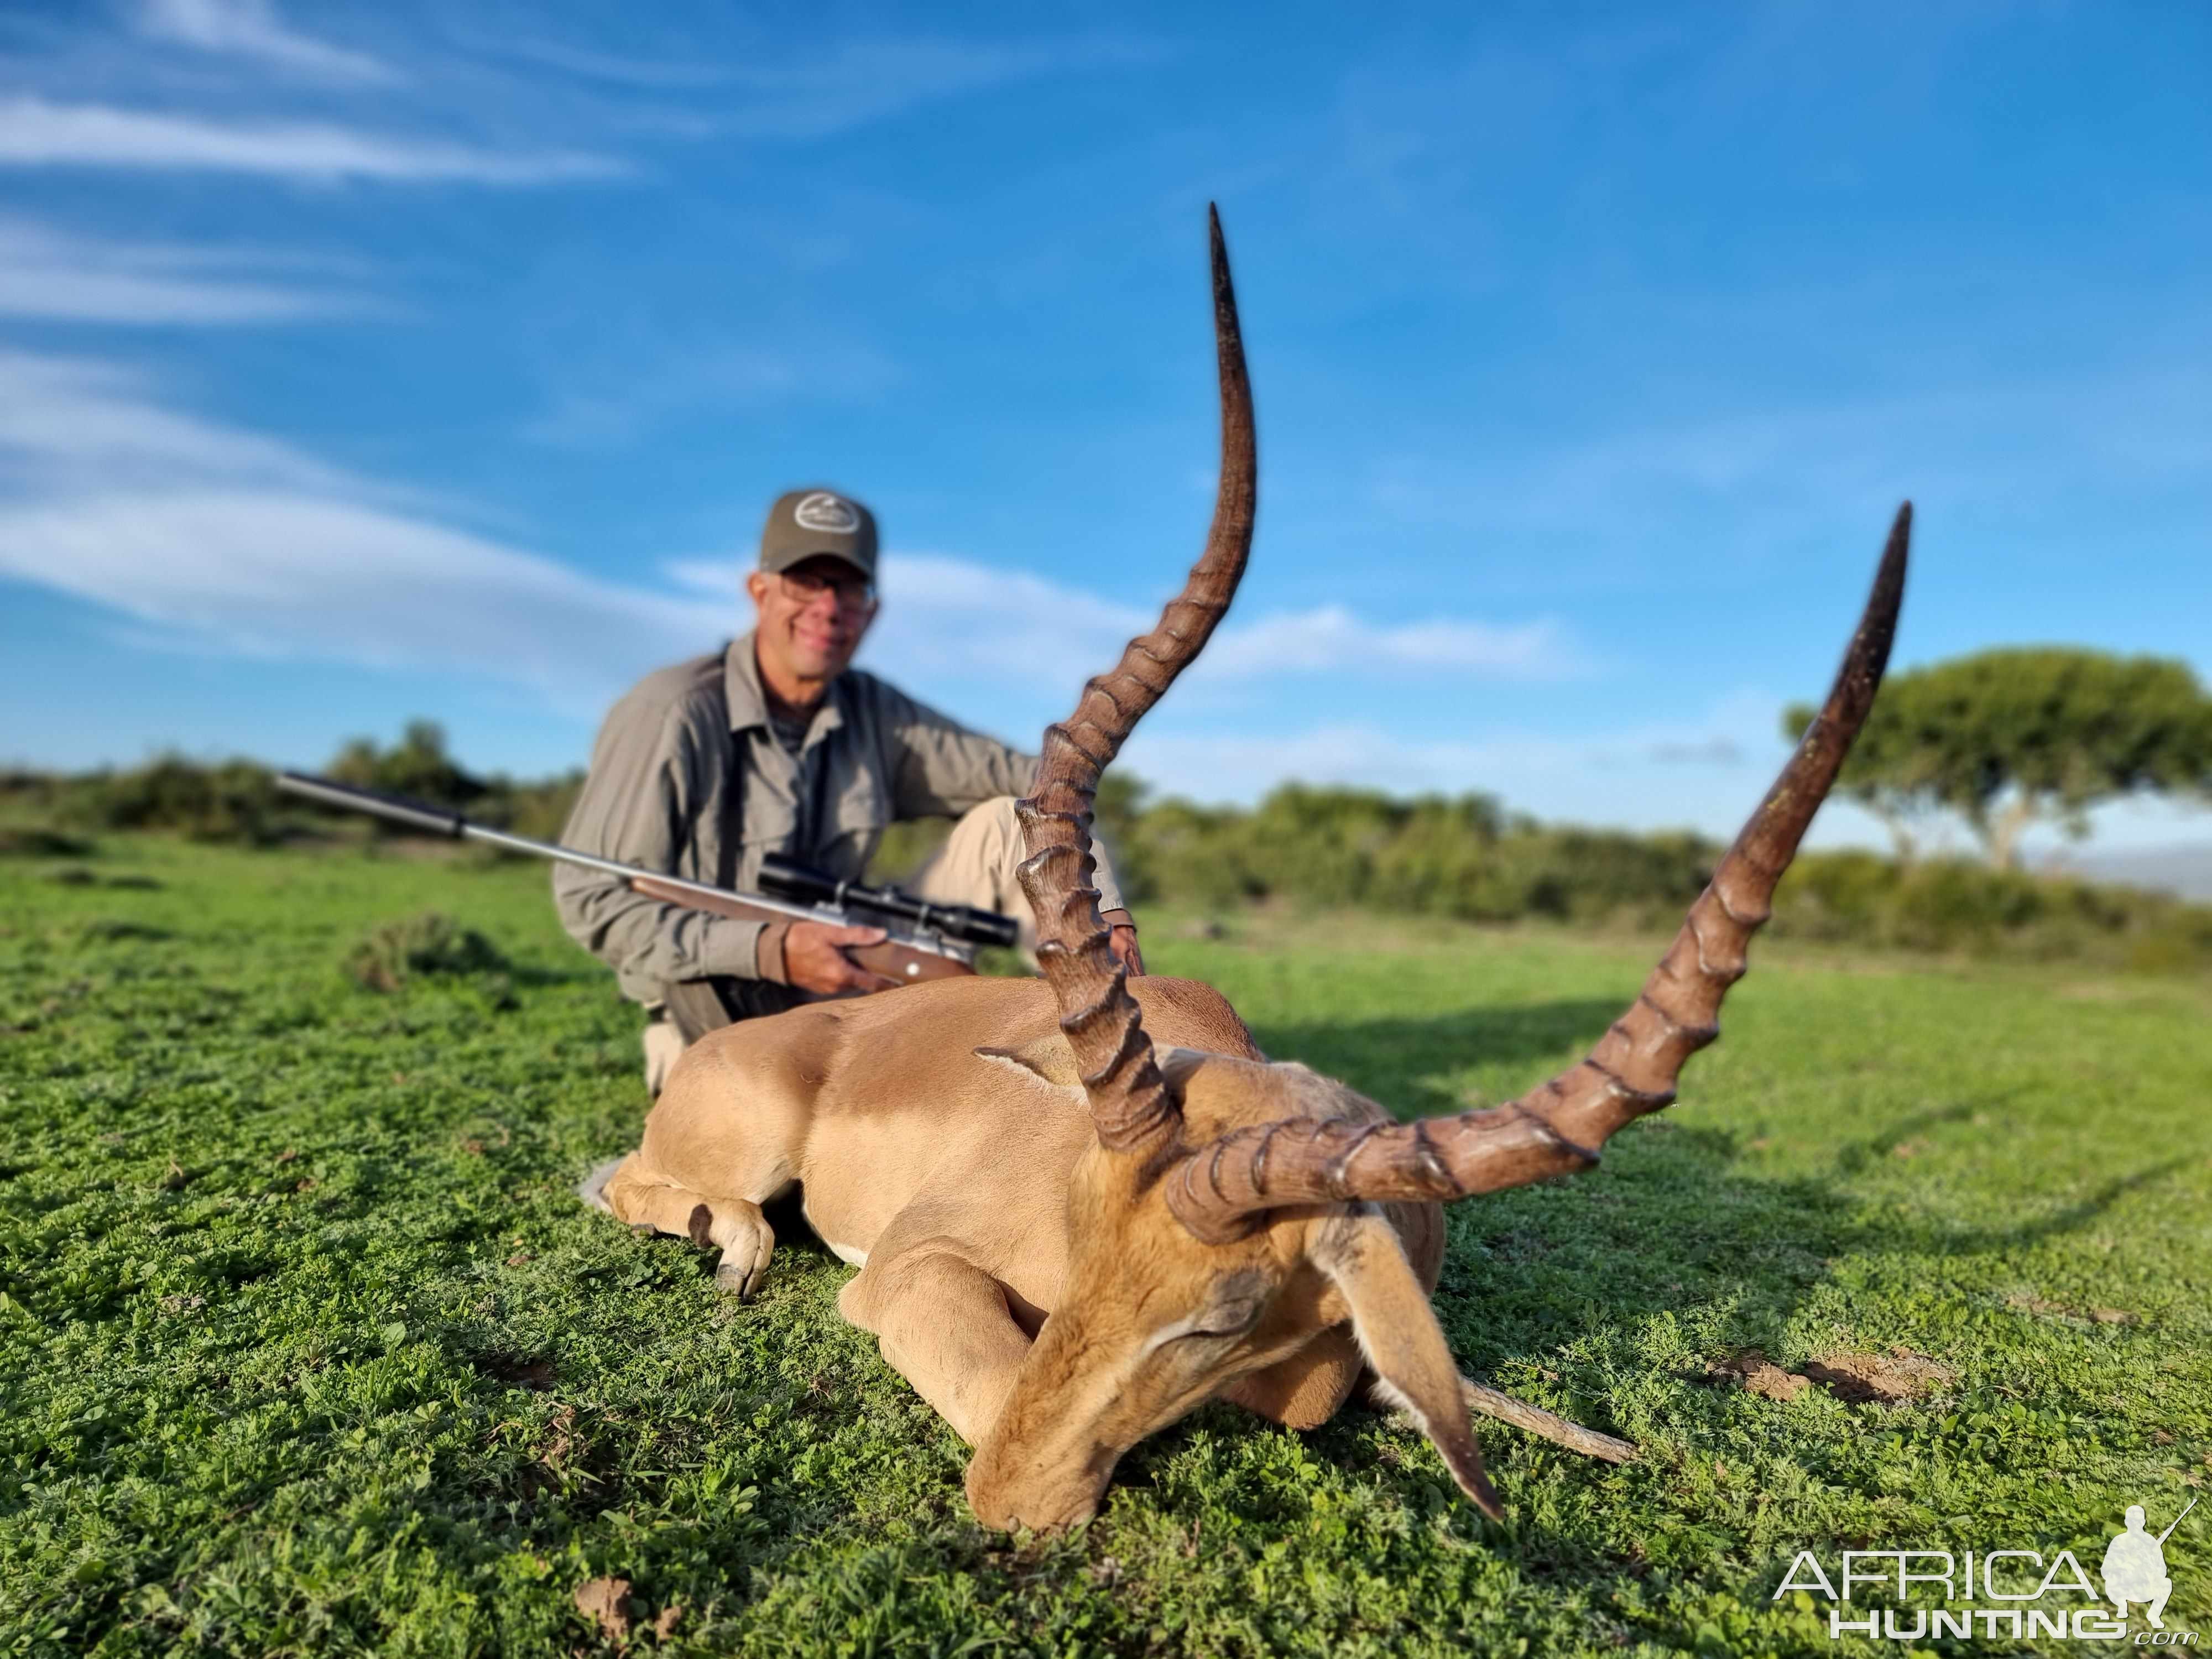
852	592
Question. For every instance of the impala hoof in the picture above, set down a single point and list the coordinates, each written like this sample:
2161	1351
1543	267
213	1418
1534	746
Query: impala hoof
744	1257
738	1278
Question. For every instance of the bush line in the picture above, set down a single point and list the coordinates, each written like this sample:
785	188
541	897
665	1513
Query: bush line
1462	858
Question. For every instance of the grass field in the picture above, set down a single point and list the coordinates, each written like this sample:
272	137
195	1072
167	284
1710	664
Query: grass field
306	1348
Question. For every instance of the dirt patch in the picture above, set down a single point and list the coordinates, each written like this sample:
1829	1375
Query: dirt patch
605	1603
1758	1375
2027	1301
1897	1375
1892	1378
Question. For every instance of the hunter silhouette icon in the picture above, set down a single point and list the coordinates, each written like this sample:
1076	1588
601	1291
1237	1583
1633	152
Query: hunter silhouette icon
2135	1567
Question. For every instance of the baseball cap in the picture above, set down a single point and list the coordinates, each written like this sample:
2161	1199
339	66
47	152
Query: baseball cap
805	522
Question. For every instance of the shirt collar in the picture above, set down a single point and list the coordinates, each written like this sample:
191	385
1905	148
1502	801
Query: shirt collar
741	688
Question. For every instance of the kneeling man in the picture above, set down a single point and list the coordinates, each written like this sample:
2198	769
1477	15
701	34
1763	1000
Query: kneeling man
777	745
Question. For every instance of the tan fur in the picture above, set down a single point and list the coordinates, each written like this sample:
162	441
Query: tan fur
1020	1278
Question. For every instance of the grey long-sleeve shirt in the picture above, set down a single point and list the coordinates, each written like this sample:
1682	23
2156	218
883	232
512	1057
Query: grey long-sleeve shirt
687	777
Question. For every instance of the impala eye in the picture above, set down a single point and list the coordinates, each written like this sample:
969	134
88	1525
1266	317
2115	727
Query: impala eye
1233	1319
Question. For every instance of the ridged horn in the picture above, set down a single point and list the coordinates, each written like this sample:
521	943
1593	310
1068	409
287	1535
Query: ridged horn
1130	1104
1559	1127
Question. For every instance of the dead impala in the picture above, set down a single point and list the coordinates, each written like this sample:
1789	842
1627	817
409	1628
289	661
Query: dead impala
1059	1283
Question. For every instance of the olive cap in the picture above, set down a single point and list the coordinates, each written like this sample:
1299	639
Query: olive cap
805	522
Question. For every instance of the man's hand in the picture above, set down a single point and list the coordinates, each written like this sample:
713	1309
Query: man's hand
1122	941
814	958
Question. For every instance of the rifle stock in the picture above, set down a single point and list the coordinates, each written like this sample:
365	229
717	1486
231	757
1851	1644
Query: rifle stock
900	962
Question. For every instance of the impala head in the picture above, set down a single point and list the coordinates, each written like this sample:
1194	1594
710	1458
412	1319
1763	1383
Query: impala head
1244	1228
1156	1321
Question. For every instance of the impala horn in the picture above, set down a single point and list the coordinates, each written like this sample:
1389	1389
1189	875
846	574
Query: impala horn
1559	1127
1130	1104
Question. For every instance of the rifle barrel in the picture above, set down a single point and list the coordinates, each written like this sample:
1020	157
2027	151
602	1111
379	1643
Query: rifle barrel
443	821
2177	1519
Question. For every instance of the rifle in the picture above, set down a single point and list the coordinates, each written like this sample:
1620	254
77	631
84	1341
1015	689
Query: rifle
927	941
2177	1519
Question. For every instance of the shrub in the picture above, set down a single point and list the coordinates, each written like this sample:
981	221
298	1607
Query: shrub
33	843
429	946
234	801
1191	854
1964	906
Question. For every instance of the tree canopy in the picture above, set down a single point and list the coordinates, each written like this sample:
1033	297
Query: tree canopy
2006	737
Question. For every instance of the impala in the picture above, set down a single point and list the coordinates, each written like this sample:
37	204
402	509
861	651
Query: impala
1084	1205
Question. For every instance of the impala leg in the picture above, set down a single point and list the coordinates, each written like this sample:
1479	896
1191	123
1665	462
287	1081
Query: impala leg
943	1324
735	1225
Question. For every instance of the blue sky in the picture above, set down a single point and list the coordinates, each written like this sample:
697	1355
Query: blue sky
358	363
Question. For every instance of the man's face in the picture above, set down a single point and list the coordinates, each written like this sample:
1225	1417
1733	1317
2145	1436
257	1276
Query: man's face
813	616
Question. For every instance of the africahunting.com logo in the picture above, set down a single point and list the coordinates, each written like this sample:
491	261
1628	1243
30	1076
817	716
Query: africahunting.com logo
2014	1595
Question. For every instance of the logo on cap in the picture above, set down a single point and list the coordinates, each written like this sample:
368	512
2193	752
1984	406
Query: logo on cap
829	513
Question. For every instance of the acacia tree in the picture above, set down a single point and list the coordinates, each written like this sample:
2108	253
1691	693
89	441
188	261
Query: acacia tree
2008	737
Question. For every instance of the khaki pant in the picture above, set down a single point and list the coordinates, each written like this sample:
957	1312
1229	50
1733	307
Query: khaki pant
976	866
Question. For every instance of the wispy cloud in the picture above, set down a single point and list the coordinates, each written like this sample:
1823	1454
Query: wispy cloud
944	615
56	275
251	544
233	541
1721	740
36	132
1638	773
252	28
843	84
1241	766
276	573
75	426
618	68
1330	639
859	83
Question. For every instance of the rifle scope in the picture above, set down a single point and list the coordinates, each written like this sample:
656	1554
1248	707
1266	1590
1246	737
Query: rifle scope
786	879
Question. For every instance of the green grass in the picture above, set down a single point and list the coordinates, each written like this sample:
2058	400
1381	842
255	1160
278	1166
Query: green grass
305	1347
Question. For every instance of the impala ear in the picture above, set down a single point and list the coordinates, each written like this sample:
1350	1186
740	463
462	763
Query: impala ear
1177	1064
1399	1334
1047	1057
